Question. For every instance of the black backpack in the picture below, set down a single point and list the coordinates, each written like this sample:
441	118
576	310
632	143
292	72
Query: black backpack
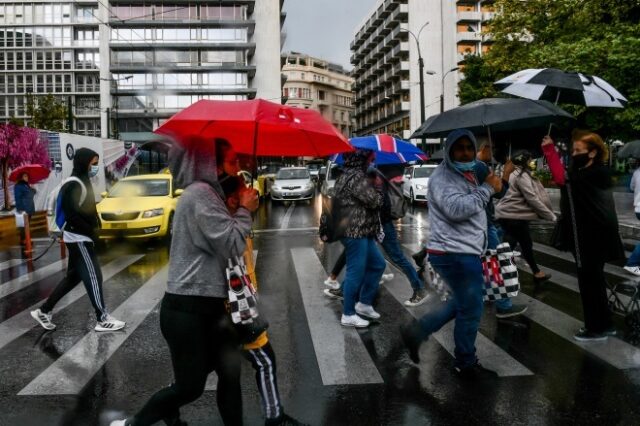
399	205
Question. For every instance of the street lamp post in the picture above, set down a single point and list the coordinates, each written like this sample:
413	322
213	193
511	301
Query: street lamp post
116	133
442	92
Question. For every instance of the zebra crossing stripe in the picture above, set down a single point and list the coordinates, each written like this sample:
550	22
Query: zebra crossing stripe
491	355
10	263
341	354
73	370
26	280
21	323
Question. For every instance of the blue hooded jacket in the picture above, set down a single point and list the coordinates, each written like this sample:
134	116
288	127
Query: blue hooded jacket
456	206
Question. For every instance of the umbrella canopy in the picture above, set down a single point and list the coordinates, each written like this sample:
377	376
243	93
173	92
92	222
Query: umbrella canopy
388	150
629	150
557	86
36	172
257	127
496	115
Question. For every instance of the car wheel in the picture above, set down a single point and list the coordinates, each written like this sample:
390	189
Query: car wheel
169	233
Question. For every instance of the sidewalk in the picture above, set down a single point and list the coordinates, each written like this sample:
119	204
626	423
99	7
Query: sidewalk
629	224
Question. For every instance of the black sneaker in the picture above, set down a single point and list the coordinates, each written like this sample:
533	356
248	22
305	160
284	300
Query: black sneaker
411	340
609	332
511	312
419	257
284	420
475	372
418	298
584	335
333	293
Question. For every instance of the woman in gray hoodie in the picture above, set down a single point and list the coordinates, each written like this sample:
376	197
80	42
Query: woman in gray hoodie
193	316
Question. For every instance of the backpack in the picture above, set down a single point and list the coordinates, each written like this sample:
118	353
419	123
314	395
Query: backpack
56	217
399	205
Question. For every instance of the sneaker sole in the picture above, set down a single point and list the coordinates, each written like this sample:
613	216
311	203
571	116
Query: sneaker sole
35	317
332	286
591	339
331	296
511	314
367	315
115	328
413	304
346	324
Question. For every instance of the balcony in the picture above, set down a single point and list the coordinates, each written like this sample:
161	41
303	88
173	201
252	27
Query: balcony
405	106
469	16
405	66
487	16
468	36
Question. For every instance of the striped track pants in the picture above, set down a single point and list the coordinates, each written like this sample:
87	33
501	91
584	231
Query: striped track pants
263	361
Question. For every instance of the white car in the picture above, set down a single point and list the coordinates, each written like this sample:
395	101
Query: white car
416	181
292	184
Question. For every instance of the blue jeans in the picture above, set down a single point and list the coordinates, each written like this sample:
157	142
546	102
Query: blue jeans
634	259
493	234
391	246
365	266
463	275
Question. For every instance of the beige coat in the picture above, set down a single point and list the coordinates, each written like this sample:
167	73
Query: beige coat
526	199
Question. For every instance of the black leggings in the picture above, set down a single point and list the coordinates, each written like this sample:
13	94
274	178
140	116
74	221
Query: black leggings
517	231
593	292
199	344
340	263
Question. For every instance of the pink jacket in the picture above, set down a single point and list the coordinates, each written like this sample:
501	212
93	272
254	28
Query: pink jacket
555	164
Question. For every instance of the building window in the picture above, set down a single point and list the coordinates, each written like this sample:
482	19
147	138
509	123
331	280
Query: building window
321	95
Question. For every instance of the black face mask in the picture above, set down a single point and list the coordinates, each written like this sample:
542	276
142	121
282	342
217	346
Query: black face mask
579	161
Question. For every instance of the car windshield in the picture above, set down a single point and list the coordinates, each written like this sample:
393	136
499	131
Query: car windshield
423	172
285	174
140	188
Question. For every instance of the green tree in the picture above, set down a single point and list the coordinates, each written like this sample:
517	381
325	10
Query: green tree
598	37
46	112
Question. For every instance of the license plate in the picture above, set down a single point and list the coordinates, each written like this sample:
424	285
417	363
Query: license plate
118	226
289	194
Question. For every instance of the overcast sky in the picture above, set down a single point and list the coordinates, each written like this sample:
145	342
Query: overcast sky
324	28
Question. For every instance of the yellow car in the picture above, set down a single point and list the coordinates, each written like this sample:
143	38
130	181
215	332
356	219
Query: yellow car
139	207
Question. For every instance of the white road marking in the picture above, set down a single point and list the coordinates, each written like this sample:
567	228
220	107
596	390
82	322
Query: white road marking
287	216
26	280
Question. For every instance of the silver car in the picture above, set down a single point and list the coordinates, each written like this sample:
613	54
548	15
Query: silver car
329	182
292	184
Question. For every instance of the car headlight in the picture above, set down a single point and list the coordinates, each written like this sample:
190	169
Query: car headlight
276	187
309	185
153	213
421	187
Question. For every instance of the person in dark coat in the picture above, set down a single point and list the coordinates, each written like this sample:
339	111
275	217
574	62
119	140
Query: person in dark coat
589	225
23	195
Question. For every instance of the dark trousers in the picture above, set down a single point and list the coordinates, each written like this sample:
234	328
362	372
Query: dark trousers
517	231
199	344
263	361
340	263
593	292
82	266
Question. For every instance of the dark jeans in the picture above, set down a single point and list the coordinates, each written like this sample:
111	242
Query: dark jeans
340	263
463	274
391	246
593	292
365	266
82	266
199	344
517	231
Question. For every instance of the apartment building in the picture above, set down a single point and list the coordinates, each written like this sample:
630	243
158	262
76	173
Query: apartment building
128	65
385	56
313	83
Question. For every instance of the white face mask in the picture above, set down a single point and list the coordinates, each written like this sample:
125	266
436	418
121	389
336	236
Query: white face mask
93	171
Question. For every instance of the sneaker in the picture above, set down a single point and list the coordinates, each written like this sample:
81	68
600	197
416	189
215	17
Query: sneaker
385	278
109	324
284	420
354	321
411	340
475	372
635	270
118	423
418	298
511	312
584	335
516	253
333	293
43	319
609	332
332	284
367	311
419	257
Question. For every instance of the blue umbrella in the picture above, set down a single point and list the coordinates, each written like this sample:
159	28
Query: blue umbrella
389	150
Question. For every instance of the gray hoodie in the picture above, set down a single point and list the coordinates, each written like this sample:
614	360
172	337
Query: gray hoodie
205	235
457	206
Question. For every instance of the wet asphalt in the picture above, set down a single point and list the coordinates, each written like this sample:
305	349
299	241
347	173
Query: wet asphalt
569	385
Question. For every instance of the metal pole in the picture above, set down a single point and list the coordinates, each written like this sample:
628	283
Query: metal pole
116	131
108	123
69	115
422	107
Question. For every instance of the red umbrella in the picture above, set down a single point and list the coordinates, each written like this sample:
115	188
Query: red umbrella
36	172
258	127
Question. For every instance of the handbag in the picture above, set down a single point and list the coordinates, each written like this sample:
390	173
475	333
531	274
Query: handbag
243	305
559	235
435	281
500	274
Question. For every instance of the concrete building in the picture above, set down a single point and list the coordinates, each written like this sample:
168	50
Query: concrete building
136	63
313	83
385	58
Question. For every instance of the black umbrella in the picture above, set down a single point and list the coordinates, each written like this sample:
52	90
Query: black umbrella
494	115
629	150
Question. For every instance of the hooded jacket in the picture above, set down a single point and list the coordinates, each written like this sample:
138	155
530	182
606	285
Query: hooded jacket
23	195
360	201
205	235
457	206
82	219
525	200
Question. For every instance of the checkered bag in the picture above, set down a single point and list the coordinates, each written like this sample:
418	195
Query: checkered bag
500	274
435	281
242	294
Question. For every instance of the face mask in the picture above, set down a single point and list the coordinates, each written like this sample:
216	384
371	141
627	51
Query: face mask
465	167
93	171
579	161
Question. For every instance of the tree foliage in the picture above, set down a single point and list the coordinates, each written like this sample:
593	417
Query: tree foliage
46	112
597	37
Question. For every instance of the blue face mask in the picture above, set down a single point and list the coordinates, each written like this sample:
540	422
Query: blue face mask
93	171
465	167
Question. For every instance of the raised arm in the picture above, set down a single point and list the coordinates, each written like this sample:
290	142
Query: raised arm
555	164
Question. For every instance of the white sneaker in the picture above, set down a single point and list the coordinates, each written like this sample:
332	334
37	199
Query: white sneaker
43	319
332	284
118	423
367	311
110	324
516	253
354	321
635	270
385	278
